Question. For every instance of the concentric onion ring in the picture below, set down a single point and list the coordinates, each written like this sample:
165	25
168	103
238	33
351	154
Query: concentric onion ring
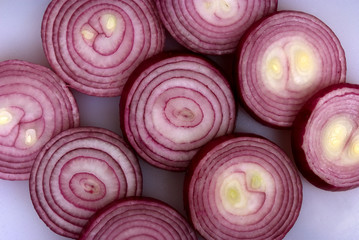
78	172
325	138
173	105
285	59
35	105
242	187
212	26
95	45
138	218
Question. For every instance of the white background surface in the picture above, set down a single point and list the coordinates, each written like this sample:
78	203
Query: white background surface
324	215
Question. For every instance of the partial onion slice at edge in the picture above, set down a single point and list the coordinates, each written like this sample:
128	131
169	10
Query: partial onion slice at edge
137	218
325	138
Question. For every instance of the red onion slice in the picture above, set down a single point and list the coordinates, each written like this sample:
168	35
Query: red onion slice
138	218
35	105
242	187
212	26
325	138
283	60
172	105
78	172
95	45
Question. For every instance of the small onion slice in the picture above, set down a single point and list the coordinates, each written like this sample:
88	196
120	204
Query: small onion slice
285	59
325	138
78	172
212	26
35	105
138	218
95	45
242	187
172	105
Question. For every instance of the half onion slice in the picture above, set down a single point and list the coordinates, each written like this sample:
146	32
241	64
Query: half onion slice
35	105
78	172
95	45
283	60
138	218
212	26
172	105
242	187
325	138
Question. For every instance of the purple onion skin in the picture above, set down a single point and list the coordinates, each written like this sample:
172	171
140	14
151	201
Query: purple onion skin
186	231
297	139
341	73
150	62
205	151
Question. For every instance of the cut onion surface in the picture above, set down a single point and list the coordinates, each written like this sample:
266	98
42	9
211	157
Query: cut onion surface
172	105
138	218
78	172
95	45
282	61
35	105
325	138
242	187
211	26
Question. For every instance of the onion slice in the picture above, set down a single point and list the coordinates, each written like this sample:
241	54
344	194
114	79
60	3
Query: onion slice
172	105
242	187
282	61
212	26
95	45
35	105
138	218
325	138
78	172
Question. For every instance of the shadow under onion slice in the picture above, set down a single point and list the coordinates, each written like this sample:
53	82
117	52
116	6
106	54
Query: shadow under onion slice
211	26
95	45
172	105
242	187
138	218
78	172
282	61
35	105
325	138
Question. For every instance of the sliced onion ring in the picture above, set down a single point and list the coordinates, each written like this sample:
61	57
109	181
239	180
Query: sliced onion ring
35	105
78	172
95	45
242	187
282	61
325	138
138	218
172	105
212	26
